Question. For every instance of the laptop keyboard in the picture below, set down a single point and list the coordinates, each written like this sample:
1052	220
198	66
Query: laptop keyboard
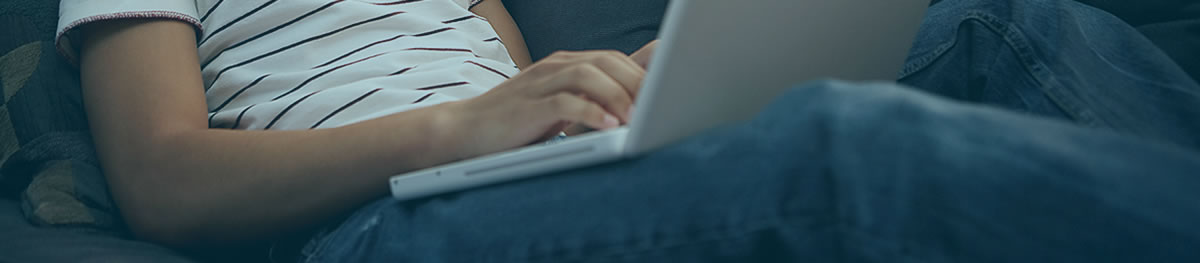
561	136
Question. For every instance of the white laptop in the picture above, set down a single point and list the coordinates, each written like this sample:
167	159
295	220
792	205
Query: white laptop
717	61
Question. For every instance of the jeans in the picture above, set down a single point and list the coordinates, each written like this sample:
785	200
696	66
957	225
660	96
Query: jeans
1035	130
1058	59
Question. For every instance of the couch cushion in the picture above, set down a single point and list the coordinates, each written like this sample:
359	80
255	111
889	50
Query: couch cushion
550	25
625	25
38	244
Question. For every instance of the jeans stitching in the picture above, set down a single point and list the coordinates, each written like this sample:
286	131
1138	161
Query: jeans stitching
325	239
317	249
891	248
724	230
1016	41
1014	36
788	217
756	226
920	64
1101	14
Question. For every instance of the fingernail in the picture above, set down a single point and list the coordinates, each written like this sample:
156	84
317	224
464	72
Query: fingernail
610	121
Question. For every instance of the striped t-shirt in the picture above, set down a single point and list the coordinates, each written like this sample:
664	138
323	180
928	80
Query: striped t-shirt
303	64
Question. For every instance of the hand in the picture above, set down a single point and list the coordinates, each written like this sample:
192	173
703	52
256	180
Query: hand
593	88
642	57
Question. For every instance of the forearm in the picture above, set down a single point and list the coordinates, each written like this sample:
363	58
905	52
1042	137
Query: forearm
179	182
214	186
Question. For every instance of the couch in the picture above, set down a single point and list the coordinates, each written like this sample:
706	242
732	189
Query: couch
54	206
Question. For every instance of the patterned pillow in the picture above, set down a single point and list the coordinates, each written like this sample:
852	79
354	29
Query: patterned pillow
48	160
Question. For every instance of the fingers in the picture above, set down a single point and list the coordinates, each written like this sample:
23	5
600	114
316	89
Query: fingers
613	63
577	129
608	78
622	69
594	88
573	108
592	83
643	55
554	131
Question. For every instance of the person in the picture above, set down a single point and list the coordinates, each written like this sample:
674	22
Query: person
1032	130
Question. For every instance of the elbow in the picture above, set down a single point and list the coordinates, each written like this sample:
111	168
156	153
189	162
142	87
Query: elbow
158	197
181	221
158	216
173	211
164	231
154	210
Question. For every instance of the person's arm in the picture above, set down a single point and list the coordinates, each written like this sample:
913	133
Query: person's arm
183	184
504	25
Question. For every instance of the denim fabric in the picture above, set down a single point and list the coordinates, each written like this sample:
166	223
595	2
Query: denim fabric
1019	149
818	177
1055	58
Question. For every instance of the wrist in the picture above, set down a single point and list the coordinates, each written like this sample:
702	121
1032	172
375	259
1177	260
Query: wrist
450	124
410	140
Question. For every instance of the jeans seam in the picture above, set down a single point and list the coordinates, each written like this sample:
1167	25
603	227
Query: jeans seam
921	63
818	217
321	241
1106	60
895	249
1016	41
846	227
318	251
758	226
890	247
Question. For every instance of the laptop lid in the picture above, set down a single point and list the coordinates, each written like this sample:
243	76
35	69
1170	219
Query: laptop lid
720	61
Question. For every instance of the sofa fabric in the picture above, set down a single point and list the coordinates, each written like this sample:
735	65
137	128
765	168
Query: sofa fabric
625	25
48	160
552	25
54	204
23	242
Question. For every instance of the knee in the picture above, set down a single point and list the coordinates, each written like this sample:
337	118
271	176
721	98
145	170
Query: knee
837	105
1036	15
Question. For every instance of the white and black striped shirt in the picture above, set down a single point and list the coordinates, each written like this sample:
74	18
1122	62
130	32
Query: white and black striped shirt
303	64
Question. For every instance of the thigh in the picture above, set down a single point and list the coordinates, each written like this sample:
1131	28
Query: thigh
940	180
705	200
830	172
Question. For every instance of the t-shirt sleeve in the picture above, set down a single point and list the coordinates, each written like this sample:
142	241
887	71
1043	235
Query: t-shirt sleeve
473	3
74	13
